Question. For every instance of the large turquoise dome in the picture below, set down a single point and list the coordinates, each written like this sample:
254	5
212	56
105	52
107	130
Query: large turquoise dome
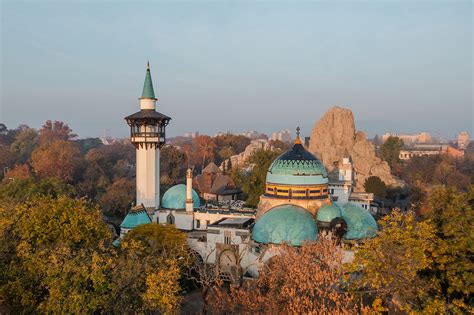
360	223
175	198
297	167
327	213
285	224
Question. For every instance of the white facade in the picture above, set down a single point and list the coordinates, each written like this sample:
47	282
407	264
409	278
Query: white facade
148	177
342	188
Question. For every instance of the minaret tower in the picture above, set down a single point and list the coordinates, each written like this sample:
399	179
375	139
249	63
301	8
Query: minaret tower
189	191
147	133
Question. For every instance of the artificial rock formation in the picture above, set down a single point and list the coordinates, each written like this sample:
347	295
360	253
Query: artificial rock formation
334	137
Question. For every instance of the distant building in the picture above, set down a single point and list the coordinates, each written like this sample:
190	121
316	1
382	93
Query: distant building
191	134
341	187
222	133
252	134
283	135
407	152
463	140
409	139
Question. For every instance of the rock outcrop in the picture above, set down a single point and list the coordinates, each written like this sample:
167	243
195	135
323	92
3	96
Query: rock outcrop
334	137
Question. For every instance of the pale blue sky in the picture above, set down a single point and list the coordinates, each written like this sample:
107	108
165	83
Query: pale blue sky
217	66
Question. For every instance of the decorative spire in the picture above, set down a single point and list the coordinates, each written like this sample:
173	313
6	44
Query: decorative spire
148	91
298	140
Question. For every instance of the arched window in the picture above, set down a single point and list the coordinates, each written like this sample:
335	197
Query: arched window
170	219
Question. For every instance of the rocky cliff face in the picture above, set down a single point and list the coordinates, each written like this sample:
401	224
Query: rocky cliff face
334	136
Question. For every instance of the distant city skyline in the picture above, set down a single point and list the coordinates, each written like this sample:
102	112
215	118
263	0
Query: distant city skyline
403	67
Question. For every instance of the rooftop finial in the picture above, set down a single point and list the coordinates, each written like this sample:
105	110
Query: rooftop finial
298	140
148	65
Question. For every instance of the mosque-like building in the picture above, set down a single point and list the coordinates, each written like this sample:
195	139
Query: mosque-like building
295	208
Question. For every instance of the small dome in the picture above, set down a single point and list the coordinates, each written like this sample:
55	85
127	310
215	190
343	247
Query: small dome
285	224
297	167
175	198
360	223
327	213
135	218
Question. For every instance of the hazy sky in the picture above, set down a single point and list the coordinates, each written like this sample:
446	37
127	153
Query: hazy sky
217	66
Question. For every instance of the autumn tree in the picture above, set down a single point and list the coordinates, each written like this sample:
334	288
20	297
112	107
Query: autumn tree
24	144
53	259
390	150
20	171
375	185
204	148
60	160
310	286
118	198
425	265
147	271
54	131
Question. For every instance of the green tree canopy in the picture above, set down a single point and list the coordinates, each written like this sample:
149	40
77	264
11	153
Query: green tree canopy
52	257
253	184
148	269
390	150
422	265
375	185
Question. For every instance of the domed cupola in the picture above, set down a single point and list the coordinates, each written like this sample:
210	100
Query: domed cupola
297	174
175	198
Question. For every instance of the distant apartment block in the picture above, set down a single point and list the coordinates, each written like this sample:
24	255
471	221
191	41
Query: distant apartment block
253	134
191	134
463	140
429	149
283	135
409	139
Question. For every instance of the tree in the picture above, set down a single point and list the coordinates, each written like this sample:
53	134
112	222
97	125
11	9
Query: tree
54	131
173	165
390	150
147	270
375	185
7	158
425	265
54	258
253	184
20	171
118	198
24	144
20	190
204	147
310	286
60	160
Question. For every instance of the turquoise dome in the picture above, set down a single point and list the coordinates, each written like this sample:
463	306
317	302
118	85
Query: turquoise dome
285	224
175	198
327	213
297	167
360	223
135	218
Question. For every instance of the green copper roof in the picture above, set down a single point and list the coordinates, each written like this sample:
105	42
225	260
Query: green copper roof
360	223
134	219
285	224
327	213
297	167
175	198
148	91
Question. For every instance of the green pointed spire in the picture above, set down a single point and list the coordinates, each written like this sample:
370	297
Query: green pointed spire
148	91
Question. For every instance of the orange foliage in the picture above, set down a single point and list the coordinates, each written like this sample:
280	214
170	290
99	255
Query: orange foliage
19	172
304	280
59	160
